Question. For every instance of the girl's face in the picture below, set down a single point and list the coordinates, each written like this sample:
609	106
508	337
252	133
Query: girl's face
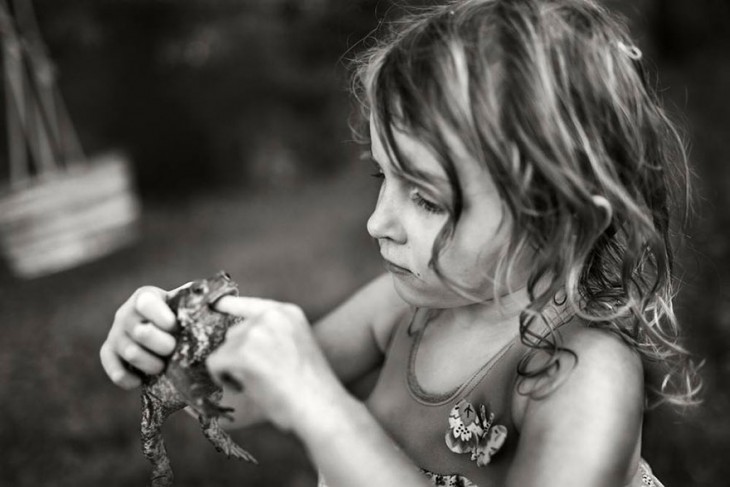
407	220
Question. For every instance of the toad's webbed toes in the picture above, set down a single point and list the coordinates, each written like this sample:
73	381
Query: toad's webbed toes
214	410
239	453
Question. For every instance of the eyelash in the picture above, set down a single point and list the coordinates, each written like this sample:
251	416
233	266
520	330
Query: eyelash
427	205
415	196
378	174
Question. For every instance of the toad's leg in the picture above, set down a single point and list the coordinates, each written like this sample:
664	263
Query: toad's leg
221	440
153	446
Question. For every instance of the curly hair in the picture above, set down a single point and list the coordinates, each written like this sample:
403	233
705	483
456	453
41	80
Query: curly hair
551	96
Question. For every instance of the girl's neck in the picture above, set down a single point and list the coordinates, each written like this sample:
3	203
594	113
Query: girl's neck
500	315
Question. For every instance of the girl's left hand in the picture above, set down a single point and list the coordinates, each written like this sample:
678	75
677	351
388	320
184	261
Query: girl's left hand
274	356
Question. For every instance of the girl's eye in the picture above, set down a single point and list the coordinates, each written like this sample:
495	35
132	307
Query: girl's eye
377	170
422	202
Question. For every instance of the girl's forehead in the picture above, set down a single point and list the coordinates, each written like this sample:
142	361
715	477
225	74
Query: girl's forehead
473	175
414	153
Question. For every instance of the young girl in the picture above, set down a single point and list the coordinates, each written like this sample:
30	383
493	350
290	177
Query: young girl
525	322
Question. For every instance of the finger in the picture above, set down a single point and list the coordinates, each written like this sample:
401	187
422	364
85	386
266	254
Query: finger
243	306
139	357
153	339
115	369
151	305
222	368
224	363
228	380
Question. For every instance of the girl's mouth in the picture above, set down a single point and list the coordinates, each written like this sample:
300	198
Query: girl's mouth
396	269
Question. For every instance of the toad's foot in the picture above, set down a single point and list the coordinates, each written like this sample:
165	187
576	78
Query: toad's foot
222	441
211	409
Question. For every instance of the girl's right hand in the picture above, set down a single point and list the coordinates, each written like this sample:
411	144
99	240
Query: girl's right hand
140	338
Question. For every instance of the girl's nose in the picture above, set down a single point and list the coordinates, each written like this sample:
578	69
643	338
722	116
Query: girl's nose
385	221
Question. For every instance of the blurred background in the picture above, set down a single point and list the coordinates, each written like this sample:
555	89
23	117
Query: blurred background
233	118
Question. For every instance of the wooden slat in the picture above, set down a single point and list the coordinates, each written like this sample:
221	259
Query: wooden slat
118	209
68	256
75	216
62	189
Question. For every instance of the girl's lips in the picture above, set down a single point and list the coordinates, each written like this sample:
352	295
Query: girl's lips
396	269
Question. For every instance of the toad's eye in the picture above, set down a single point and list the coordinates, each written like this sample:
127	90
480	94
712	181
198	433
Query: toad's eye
199	289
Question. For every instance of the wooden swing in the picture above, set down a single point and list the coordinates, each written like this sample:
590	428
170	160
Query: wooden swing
58	208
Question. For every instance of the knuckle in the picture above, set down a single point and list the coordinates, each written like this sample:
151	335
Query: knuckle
148	290
216	362
168	346
156	367
272	313
257	333
139	331
213	361
131	353
104	353
123	317
119	314
294	310
119	379
144	296
129	382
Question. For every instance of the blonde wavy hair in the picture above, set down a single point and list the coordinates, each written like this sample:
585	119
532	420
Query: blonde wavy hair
551	96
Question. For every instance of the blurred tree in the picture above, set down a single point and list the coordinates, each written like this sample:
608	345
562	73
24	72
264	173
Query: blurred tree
207	92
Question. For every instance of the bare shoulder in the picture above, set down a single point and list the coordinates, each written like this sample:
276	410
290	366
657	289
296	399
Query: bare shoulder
605	364
603	361
587	413
595	363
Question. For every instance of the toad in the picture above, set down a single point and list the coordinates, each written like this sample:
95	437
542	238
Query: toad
185	382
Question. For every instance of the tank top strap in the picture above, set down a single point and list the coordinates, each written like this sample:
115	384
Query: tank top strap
412	342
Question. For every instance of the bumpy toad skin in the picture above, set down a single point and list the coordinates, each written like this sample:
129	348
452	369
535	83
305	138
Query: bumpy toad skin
185	381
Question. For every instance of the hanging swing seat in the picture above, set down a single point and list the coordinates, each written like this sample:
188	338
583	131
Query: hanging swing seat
58	208
69	218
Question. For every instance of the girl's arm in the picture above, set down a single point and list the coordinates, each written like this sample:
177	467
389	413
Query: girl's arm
353	338
355	335
586	431
276	358
351	449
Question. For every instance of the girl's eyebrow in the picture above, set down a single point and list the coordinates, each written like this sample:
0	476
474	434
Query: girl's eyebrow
438	180
426	180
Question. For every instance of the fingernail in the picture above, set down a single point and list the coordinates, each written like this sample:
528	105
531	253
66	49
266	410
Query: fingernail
230	381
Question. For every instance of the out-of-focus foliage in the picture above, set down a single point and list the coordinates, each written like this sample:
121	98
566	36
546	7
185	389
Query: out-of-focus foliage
210	91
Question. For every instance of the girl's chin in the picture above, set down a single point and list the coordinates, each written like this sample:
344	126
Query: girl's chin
421	294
